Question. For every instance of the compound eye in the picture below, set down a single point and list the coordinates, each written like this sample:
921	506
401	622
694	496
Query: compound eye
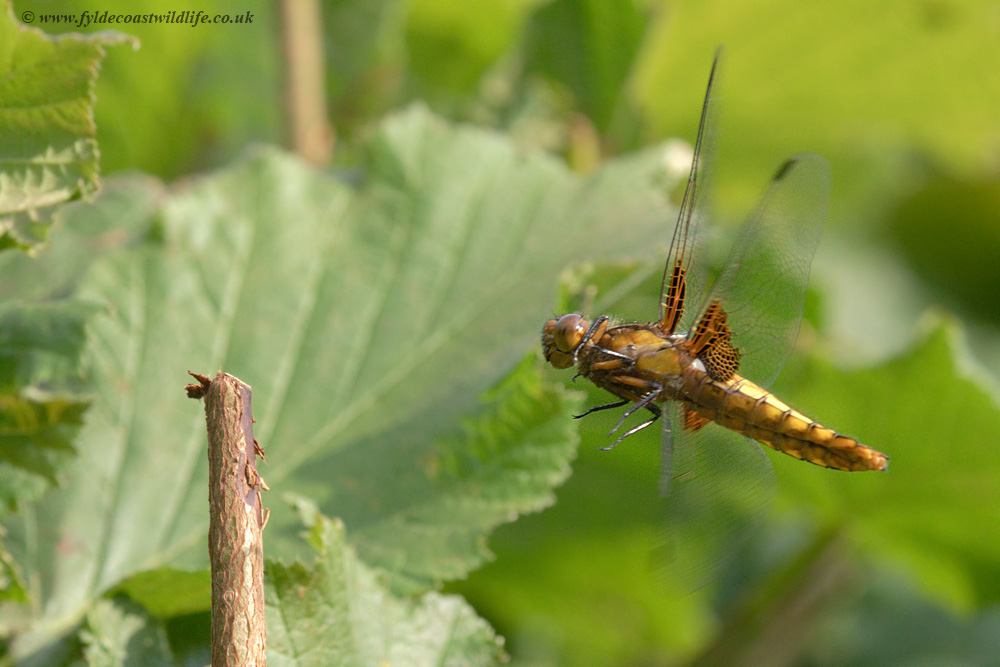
569	333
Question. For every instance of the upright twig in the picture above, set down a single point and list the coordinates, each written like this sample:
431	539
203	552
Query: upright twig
309	131
236	520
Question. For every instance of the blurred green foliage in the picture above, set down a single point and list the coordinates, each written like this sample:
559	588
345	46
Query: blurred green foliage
902	97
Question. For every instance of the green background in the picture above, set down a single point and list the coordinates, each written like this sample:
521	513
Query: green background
900	346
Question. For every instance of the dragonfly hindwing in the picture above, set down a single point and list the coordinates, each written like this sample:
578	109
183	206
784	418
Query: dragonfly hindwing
711	344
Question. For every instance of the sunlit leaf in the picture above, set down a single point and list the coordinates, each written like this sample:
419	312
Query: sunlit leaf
48	150
336	611
120	634
369	323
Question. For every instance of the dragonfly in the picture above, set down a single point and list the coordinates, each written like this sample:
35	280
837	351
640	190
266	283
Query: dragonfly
715	367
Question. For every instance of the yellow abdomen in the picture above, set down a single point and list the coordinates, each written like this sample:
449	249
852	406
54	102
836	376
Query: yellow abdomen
742	406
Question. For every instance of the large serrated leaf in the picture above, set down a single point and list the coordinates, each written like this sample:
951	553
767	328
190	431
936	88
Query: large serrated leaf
431	520
121	634
368	324
934	509
41	393
336	612
48	149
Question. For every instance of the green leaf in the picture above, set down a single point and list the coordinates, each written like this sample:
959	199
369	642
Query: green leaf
504	463
961	261
48	150
54	329
86	233
337	612
368	323
42	397
934	509
168	592
893	624
43	384
119	634
929	520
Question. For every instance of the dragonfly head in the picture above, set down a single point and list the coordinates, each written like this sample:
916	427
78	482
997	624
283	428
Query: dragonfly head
561	339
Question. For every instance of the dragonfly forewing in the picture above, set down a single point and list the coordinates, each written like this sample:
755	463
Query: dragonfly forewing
682	275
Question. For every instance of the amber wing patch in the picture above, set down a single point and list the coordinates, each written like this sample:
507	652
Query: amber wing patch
692	420
711	343
672	301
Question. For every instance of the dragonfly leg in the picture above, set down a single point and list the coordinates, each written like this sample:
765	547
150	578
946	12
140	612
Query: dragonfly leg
602	407
616	361
613	361
646	402
599	323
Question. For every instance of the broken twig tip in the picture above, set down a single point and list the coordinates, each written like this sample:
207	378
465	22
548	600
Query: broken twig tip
197	390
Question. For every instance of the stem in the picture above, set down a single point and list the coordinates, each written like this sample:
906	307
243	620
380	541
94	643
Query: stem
309	131
236	520
773	626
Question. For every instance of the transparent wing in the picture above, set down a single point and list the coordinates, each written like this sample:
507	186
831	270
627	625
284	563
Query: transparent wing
763	285
719	484
718	481
680	274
